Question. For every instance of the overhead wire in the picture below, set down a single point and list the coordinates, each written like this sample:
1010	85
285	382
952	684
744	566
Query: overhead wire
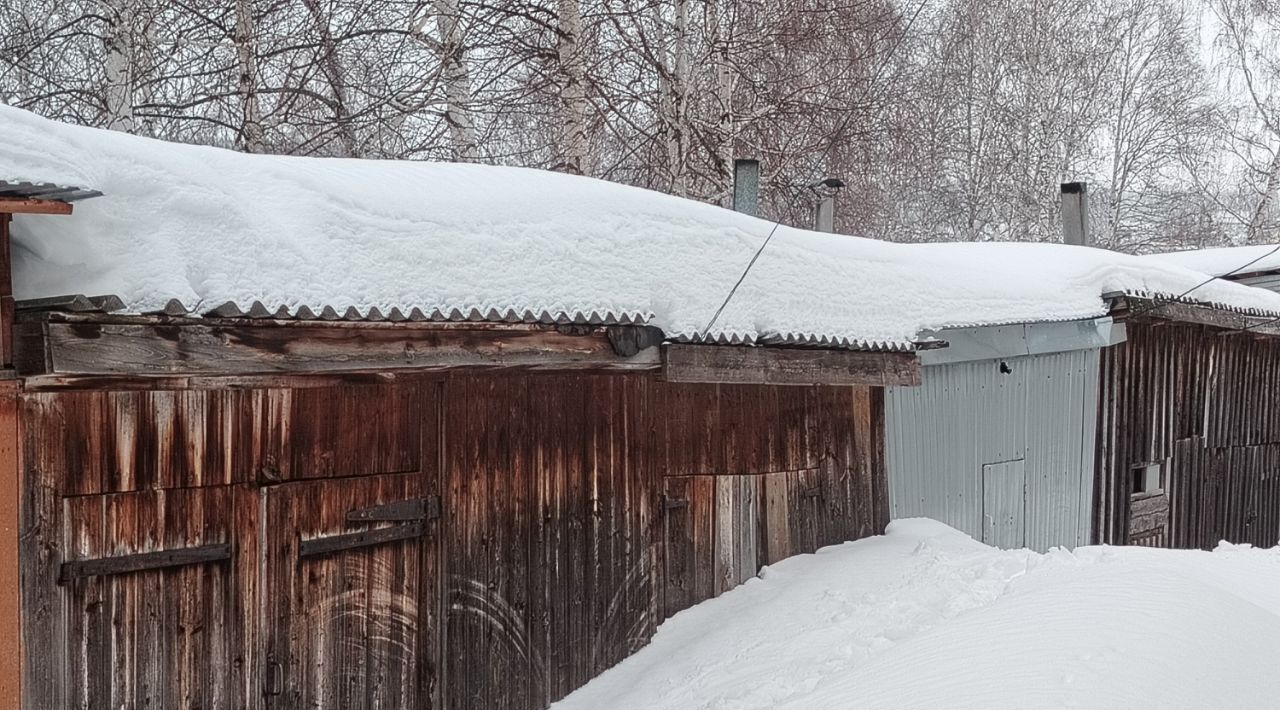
1159	302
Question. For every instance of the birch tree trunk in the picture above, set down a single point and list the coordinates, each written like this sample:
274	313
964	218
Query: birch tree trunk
725	80
120	68
572	148
457	82
250	139
676	103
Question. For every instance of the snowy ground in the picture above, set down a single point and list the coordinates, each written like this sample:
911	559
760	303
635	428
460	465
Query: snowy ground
924	617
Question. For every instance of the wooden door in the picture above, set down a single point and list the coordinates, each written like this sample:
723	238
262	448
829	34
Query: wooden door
688	505
146	605
350	592
1004	521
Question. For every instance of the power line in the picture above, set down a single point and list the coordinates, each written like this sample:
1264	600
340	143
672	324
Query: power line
707	330
1206	282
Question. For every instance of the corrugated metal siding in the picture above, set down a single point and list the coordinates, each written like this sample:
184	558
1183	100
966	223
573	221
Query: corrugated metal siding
968	415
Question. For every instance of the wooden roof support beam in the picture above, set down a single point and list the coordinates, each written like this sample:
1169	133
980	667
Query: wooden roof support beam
63	344
12	205
729	364
1134	308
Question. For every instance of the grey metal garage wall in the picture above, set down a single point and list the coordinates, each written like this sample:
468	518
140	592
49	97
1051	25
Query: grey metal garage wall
1001	448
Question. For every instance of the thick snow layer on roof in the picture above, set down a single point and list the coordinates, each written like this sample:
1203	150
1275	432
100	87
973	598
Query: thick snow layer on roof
924	617
1225	260
209	226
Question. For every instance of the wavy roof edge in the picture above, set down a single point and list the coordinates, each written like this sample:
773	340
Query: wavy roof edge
257	310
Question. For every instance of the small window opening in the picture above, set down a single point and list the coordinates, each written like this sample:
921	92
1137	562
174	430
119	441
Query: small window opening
1147	478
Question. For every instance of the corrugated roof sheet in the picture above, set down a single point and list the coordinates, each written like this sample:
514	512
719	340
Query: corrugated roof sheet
26	189
79	303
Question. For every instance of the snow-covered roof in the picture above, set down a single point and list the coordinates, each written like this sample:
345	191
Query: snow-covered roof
211	227
1236	261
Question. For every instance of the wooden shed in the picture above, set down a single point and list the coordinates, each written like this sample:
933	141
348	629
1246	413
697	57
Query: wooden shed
282	509
1189	427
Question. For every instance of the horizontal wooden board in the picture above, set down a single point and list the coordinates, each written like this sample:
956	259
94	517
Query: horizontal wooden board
728	364
158	349
10	205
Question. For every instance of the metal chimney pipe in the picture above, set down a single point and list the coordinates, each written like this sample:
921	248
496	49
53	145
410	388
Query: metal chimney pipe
825	218
746	186
1075	213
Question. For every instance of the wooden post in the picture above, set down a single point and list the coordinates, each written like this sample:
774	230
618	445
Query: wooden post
746	187
11	620
10	504
6	295
1075	213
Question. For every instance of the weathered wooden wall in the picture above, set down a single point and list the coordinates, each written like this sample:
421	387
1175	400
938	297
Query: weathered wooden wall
1204	403
459	541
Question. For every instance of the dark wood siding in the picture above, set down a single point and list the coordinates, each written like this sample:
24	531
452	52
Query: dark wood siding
1204	404
576	511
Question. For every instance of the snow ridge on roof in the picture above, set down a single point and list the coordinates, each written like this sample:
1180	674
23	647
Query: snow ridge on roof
287	235
1225	260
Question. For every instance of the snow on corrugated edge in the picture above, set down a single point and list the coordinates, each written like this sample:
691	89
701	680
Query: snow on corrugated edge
208	226
1224	260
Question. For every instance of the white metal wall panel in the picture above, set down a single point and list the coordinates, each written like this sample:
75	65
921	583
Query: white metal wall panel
1040	409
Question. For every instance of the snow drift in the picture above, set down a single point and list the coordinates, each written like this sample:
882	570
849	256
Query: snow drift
208	226
924	617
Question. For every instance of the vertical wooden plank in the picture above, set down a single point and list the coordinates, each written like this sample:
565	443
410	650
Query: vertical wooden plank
689	535
487	626
6	295
748	531
725	535
435	567
777	507
11	651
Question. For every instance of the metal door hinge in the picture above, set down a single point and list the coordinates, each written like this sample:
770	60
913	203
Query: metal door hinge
273	679
402	511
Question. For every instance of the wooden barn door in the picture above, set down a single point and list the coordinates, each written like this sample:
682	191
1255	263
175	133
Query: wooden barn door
350	592
149	592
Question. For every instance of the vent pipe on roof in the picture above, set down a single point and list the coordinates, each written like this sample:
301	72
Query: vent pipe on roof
824	218
1075	213
746	186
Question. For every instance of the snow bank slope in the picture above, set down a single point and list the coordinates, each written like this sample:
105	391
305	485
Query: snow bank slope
210	226
924	617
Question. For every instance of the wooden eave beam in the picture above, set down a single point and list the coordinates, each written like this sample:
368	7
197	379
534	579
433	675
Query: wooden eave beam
728	364
61	347
15	205
1132	308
